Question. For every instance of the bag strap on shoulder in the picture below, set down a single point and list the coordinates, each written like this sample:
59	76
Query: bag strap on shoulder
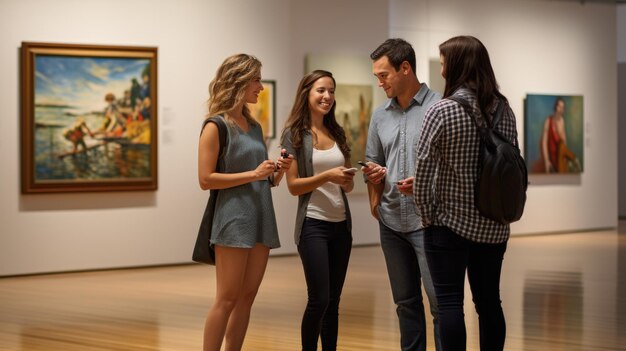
222	130
498	116
468	109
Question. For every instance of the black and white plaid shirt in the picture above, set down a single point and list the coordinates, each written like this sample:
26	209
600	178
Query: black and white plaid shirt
447	169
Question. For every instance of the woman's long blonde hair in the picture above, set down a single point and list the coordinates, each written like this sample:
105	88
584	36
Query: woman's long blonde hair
228	88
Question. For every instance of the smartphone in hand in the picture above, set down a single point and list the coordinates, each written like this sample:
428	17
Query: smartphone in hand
362	163
350	170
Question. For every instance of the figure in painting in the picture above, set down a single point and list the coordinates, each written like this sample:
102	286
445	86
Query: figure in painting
556	157
124	103
144	88
76	134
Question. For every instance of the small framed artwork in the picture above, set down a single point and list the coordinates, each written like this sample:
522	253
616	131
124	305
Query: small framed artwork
554	135
89	118
264	111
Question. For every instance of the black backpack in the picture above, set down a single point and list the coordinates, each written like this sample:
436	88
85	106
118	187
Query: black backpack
500	190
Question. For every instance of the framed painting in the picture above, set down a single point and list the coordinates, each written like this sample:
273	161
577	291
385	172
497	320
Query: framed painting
89	118
554	134
264	110
353	113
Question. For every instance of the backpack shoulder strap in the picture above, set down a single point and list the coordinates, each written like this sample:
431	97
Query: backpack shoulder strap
222	130
498	116
466	106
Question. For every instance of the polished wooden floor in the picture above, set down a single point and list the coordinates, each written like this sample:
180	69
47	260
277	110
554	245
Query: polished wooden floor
559	292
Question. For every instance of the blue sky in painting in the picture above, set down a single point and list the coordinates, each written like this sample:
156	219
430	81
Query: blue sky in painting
83	82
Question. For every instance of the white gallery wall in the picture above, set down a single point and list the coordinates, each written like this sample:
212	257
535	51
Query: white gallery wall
621	91
65	232
569	49
540	47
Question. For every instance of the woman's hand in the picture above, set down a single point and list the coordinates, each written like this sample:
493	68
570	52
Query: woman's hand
338	176
284	163
406	186
264	169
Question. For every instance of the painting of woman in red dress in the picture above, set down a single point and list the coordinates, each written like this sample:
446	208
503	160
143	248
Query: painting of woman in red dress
549	150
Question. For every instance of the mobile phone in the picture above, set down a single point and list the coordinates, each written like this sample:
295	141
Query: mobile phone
350	170
283	154
362	163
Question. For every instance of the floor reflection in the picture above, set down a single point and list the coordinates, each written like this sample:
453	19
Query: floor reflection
566	292
620	323
559	292
553	312
101	333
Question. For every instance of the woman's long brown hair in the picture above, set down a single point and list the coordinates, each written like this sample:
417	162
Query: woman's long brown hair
467	64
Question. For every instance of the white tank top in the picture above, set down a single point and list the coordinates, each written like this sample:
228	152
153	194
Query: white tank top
326	202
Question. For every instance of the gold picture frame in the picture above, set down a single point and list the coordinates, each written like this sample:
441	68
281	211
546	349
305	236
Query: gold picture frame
88	118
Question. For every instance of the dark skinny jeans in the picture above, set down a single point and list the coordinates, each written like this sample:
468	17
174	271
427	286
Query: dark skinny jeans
324	249
449	255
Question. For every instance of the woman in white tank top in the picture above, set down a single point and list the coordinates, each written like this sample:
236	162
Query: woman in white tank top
320	176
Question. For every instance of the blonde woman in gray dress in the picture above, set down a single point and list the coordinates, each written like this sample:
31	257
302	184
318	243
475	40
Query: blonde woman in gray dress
244	225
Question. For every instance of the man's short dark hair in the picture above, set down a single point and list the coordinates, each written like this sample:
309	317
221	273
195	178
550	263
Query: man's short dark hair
397	51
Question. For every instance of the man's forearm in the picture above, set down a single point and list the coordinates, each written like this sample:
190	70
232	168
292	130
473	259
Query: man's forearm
375	192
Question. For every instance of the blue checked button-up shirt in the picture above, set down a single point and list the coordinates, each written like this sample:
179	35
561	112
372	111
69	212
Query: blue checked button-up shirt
392	138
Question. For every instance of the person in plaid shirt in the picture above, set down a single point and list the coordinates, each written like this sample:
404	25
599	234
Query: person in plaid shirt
457	237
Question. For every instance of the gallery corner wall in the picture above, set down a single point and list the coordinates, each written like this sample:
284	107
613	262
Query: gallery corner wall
540	47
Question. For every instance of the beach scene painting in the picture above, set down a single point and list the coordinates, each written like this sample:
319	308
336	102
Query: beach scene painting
89	118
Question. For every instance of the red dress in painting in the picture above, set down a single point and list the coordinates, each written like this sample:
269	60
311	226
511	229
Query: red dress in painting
554	141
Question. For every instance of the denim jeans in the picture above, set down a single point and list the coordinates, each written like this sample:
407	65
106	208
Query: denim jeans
449	255
324	249
407	268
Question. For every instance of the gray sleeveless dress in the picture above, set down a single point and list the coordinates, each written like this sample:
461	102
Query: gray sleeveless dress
244	215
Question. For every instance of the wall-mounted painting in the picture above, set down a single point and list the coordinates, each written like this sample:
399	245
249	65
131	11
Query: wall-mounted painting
264	110
353	113
356	94
88	118
554	140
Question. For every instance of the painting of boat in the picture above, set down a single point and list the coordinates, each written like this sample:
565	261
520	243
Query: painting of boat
91	125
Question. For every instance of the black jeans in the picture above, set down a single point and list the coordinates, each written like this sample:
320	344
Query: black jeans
324	249
449	255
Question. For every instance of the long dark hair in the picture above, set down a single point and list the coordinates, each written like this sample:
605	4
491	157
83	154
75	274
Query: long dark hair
299	121
467	64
